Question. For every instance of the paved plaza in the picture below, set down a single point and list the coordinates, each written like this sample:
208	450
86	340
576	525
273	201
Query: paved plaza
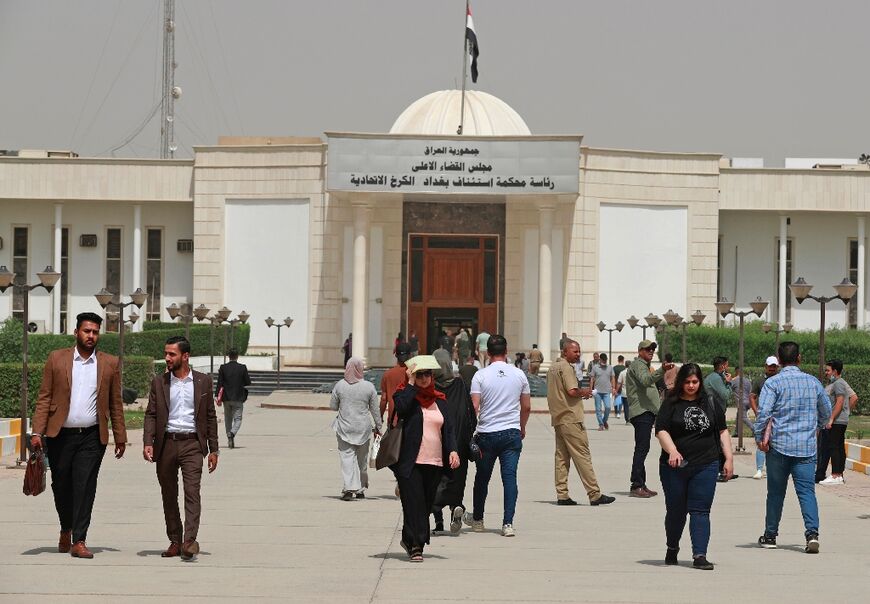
274	530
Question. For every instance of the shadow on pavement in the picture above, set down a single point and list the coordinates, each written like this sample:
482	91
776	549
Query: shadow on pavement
403	556
790	547
53	550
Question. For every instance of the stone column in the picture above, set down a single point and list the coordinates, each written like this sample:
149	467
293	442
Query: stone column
137	262
545	282
862	224
361	216
783	257
58	247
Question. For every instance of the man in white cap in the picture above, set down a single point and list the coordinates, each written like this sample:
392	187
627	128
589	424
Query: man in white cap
771	367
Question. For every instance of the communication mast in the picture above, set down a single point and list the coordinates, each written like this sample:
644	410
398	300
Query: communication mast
171	92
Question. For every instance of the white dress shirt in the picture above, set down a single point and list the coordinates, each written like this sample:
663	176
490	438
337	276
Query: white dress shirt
181	418
83	392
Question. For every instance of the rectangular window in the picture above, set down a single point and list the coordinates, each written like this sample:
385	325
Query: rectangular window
113	275
416	275
64	278
154	274
20	268
718	276
853	277
788	275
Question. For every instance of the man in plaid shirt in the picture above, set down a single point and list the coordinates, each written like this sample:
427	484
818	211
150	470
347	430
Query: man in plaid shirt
797	405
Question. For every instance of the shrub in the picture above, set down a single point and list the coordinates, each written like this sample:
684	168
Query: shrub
145	343
138	372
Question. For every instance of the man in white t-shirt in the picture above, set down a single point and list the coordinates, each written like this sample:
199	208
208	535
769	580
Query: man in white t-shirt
501	396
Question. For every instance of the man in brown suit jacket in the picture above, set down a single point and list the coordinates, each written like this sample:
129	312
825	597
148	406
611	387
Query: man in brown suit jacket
180	429
81	390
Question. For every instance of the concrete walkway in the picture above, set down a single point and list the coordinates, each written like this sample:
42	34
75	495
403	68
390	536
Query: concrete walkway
274	530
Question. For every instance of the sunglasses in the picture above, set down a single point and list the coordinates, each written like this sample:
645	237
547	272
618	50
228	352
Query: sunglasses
425	373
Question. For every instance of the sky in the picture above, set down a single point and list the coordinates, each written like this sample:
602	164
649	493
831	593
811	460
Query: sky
769	79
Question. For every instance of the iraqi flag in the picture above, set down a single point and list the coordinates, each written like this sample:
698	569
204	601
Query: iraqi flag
471	41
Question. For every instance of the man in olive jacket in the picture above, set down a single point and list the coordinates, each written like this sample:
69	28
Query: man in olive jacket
644	402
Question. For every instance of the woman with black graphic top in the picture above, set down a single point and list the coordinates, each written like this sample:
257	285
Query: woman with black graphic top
691	431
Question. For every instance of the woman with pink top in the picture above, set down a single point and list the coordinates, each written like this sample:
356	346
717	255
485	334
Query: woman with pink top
428	450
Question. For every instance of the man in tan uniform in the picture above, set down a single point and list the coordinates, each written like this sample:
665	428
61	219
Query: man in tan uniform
565	399
536	357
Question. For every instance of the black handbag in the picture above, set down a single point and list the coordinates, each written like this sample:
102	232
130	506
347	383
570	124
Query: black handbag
391	444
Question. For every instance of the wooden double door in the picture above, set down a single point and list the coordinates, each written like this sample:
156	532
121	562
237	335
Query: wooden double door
453	283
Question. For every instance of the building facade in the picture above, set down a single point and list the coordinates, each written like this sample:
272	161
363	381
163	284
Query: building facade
278	227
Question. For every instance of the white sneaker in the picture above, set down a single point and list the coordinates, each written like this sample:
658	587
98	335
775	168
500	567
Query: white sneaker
507	530
833	480
758	475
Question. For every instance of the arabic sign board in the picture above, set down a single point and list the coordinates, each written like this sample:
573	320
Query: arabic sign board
467	165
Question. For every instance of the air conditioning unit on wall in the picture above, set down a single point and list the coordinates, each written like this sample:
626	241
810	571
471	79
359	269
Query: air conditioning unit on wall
36	326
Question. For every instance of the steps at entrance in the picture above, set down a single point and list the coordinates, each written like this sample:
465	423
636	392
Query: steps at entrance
265	382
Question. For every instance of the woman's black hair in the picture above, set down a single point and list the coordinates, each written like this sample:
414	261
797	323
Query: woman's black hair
685	371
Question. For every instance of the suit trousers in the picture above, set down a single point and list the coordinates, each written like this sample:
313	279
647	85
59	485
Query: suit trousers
186	455
354	465
233	416
75	459
572	443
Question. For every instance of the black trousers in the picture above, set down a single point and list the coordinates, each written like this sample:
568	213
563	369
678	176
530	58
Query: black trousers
832	448
74	458
643	425
417	493
450	491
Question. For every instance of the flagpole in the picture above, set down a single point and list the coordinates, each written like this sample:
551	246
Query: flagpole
464	70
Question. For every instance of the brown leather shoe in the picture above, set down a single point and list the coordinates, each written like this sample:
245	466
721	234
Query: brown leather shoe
80	550
639	492
189	549
650	492
173	550
65	542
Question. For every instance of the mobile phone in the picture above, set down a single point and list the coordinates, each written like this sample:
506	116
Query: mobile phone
684	463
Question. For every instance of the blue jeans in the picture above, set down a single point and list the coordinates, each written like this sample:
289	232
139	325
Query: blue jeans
689	490
506	446
602	407
802	471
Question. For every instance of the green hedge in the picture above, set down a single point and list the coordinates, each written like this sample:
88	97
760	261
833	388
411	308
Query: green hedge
145	343
138	372
703	343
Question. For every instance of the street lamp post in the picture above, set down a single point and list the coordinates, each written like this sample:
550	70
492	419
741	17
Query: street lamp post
270	322
47	280
768	327
697	319
220	316
801	290
242	318
724	308
199	313
603	327
137	298
633	321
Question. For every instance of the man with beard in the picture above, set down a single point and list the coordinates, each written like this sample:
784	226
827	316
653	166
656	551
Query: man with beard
81	389
180	429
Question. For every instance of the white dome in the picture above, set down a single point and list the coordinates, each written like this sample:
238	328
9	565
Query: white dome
438	113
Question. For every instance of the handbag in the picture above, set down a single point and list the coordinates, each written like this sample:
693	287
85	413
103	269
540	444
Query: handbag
373	451
34	474
390	445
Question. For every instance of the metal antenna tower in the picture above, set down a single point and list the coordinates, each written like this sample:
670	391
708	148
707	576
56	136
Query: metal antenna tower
171	92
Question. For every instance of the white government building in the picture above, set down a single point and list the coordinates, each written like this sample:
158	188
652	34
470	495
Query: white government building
421	229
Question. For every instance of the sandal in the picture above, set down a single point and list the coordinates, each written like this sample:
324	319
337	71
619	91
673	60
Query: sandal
417	554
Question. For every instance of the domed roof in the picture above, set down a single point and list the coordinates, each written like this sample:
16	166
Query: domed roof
438	113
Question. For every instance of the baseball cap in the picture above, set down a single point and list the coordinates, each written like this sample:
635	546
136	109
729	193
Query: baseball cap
645	344
403	351
422	362
772	360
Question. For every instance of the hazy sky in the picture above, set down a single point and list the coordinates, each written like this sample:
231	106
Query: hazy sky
745	78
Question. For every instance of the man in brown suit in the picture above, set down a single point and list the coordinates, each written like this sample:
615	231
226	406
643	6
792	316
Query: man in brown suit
81	390
180	429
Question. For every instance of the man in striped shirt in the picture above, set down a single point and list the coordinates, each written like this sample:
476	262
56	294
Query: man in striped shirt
797	405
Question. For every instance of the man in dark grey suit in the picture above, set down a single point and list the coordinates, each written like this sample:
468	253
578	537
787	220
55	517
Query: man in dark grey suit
232	383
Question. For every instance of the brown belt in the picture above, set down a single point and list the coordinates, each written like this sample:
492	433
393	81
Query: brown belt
179	435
